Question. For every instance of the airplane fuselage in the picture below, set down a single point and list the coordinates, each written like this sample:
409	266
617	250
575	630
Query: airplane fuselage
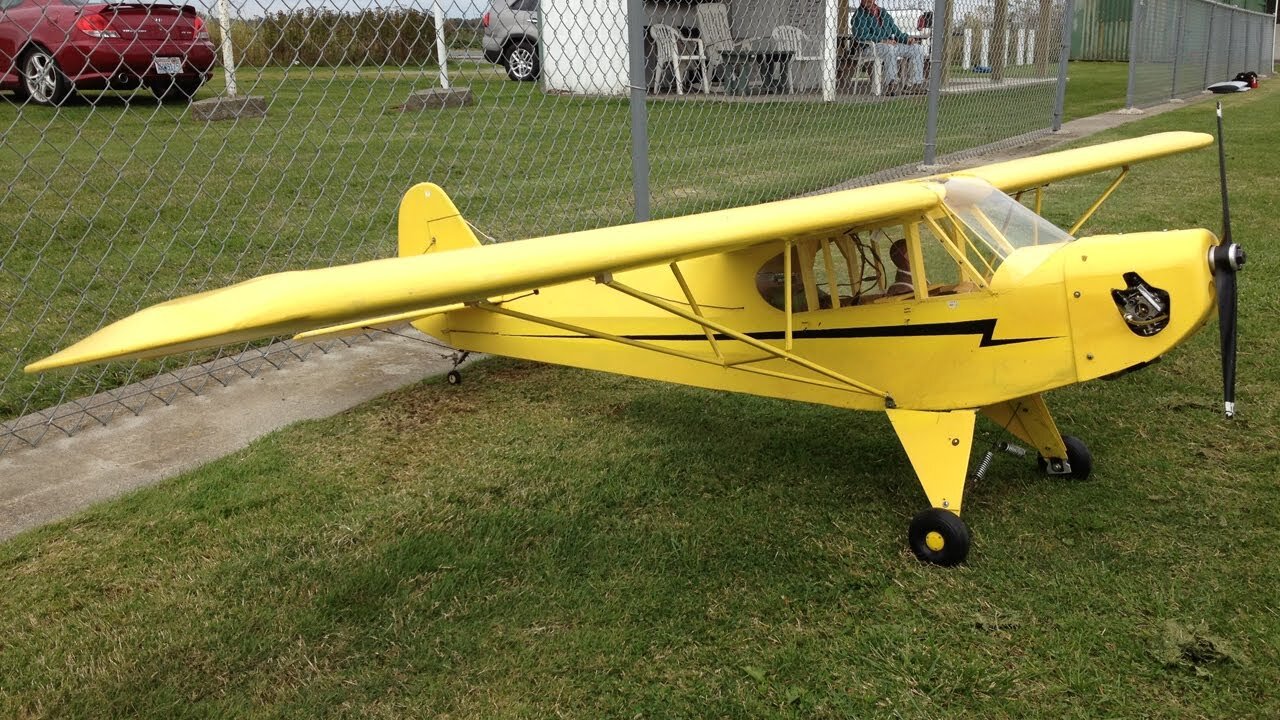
1056	325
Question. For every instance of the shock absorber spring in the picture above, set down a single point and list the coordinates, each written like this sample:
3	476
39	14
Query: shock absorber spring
1014	450
981	471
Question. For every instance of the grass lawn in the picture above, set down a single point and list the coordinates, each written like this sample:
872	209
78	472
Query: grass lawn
547	542
115	205
1095	87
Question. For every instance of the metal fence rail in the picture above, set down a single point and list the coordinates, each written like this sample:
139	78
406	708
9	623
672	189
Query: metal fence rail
1178	47
593	114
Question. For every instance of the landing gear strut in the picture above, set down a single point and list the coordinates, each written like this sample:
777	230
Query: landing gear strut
1078	463
454	377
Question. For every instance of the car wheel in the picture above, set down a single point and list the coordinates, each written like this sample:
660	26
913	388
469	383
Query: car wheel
522	62
42	81
175	90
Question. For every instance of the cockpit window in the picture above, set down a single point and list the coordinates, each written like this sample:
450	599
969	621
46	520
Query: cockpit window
852	268
997	226
997	220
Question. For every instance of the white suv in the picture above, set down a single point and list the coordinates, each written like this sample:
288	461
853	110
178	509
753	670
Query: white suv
511	37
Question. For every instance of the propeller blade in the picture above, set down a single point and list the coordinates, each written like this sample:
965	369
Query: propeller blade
1222	178
1225	279
1226	259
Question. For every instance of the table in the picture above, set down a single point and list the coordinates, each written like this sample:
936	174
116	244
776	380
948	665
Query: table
773	66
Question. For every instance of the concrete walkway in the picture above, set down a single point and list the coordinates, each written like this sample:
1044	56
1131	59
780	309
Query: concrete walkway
61	476
64	474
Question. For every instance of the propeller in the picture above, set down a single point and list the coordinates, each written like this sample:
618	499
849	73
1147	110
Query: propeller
1225	260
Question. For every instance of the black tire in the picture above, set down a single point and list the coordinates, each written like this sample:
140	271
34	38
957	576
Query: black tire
522	62
175	91
454	377
939	537
41	80
1078	455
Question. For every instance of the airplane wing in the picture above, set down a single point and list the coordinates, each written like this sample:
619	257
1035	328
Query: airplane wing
296	302
380	291
1026	173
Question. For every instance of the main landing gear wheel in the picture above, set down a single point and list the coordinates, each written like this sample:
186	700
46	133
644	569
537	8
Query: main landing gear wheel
939	536
454	377
1078	456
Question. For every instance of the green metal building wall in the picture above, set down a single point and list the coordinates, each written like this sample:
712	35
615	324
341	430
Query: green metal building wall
1100	28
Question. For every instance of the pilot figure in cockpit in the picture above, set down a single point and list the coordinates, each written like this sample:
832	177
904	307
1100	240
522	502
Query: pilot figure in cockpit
771	282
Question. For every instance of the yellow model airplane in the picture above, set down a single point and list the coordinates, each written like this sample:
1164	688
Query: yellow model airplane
931	300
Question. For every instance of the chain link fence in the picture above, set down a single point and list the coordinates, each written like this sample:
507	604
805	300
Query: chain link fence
573	115
1179	47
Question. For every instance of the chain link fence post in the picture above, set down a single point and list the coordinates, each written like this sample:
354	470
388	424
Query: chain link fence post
1231	46
1270	61
1135	25
1177	45
1208	46
1064	55
639	112
937	59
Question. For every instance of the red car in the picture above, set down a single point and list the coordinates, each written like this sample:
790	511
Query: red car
49	48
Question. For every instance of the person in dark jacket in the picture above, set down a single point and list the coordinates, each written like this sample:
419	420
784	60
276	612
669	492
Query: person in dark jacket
873	24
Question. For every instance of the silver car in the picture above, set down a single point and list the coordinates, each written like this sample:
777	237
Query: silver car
511	37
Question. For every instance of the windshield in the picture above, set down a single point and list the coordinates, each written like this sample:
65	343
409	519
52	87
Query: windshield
997	220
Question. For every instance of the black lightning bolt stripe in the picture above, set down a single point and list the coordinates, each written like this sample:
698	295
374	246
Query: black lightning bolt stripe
985	328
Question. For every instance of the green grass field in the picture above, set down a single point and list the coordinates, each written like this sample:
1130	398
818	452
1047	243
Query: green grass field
112	205
544	542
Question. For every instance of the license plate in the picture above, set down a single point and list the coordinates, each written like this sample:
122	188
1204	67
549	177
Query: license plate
168	66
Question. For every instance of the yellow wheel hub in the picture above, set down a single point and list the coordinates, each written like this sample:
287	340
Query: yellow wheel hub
934	541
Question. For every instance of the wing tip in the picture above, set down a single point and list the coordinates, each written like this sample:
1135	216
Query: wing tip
55	361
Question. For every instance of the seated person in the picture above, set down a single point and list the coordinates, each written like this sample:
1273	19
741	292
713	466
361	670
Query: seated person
873	24
902	282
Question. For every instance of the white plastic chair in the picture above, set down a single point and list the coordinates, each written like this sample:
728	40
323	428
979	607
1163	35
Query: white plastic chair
794	40
669	42
863	55
713	28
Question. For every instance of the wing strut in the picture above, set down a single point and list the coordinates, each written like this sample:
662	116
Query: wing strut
688	295
849	386
662	304
1124	173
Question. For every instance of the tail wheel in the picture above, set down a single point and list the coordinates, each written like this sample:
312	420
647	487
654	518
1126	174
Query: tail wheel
939	537
522	62
1078	456
42	81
